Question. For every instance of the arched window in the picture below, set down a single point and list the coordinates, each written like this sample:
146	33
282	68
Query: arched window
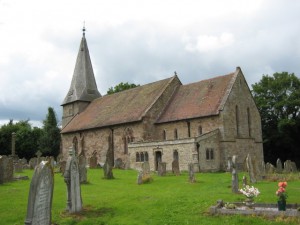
211	154
137	157
207	154
175	134
142	157
164	135
200	130
175	155
146	157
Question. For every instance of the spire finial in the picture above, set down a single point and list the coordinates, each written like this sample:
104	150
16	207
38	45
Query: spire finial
83	29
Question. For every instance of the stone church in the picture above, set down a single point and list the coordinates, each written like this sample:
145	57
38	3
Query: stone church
204	123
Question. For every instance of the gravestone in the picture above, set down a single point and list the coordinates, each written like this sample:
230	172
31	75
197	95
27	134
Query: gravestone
229	164
270	169
263	169
250	169
108	166
71	177
245	182
140	178
38	154
191	173
40	195
146	168
82	169
93	161
33	162
6	169
287	166
294	167
18	167
278	166
234	175
161	168
119	163
175	167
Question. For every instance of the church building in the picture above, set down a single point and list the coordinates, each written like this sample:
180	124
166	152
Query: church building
204	123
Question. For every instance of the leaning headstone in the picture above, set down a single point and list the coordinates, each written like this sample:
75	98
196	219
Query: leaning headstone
93	161
82	169
234	175
71	177
108	166
278	166
191	173
40	195
175	167
270	169
250	169
162	169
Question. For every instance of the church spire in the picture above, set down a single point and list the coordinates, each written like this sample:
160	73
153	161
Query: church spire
83	86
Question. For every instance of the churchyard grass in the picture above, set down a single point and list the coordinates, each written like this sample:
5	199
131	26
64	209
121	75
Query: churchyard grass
166	200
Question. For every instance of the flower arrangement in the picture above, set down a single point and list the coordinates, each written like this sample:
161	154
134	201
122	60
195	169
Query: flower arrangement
250	192
281	192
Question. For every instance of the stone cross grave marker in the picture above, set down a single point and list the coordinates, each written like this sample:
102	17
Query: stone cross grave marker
40	195
71	177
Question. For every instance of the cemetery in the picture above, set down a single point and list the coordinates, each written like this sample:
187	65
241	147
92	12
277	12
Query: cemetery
78	194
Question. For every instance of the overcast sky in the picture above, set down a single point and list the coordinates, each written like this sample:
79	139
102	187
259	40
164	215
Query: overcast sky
137	41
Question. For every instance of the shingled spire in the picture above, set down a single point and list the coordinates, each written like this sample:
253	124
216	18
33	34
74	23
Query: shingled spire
83	87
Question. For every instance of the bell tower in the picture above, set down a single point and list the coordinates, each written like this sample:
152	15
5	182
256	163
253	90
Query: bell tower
83	87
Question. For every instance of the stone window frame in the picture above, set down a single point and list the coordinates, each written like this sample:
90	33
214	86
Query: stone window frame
200	130
164	135
175	134
209	153
175	154
141	157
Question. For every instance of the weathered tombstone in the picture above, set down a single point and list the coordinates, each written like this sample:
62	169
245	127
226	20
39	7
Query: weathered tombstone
161	169
108	165
40	195
278	166
175	167
38	154
294	167
82	169
119	163
191	173
250	169
33	163
140	177
287	166
234	175
7	169
270	169
52	161
93	161
146	168
71	177
263	169
229	164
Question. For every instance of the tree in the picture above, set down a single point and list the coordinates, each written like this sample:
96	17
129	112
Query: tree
49	143
278	100
27	138
121	87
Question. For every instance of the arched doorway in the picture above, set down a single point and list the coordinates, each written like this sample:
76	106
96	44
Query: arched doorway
158	158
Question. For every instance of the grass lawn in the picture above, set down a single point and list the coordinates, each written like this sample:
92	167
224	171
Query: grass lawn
167	200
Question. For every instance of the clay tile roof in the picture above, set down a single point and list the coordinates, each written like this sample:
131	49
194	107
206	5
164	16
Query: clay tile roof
200	99
123	107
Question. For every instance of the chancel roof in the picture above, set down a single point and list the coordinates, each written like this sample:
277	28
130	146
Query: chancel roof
122	107
200	99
